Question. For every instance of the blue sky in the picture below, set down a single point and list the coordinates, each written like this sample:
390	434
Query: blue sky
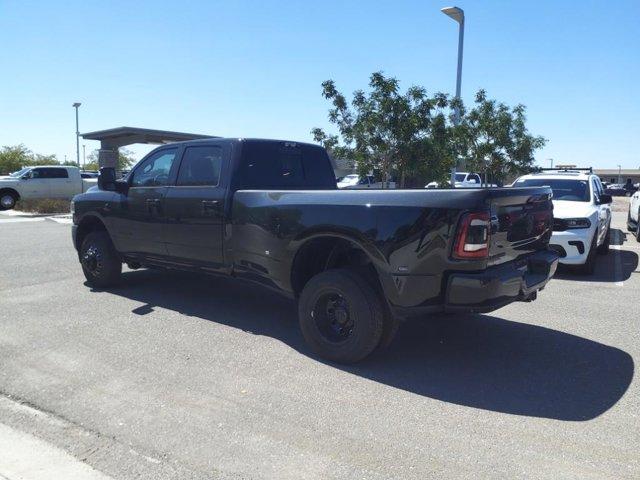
253	68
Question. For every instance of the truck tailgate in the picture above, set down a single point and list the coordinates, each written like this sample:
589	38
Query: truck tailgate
521	222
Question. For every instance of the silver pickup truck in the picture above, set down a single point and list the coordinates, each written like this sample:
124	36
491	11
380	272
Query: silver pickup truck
47	181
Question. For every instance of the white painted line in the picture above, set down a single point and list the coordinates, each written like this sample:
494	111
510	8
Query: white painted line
618	263
19	220
27	457
66	221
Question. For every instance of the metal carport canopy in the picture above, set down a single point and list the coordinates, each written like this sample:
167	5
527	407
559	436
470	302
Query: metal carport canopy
113	138
121	136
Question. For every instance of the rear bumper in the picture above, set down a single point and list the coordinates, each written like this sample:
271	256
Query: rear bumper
498	286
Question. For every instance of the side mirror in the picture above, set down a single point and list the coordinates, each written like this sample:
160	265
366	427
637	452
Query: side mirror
26	176
605	198
107	179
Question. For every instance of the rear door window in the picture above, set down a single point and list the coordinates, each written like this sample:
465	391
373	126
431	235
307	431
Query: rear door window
200	166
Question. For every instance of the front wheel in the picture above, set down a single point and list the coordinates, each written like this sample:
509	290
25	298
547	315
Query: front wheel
341	316
604	248
590	264
100	262
7	201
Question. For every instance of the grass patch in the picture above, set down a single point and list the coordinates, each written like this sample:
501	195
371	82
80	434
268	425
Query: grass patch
43	205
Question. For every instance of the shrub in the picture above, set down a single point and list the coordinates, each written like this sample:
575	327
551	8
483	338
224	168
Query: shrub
43	205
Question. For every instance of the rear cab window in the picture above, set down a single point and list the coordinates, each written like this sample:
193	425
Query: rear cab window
284	165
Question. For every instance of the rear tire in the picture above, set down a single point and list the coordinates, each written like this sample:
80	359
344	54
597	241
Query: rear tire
341	316
100	262
7	200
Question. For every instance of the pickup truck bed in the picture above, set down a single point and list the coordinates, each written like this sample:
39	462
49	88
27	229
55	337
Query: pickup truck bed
356	261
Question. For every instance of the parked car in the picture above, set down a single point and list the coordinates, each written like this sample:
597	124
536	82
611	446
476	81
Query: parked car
359	182
633	217
463	180
357	261
47	181
349	180
87	174
582	215
617	190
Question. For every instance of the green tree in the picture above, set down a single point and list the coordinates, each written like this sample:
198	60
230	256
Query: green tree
13	158
493	138
407	135
125	160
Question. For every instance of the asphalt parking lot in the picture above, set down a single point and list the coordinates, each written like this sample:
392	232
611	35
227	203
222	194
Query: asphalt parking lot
175	376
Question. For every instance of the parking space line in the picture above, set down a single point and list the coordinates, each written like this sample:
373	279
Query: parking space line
19	220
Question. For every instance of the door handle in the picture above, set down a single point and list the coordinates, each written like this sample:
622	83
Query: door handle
209	205
153	203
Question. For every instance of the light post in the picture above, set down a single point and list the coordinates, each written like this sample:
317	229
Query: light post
84	156
457	14
619	174
76	105
551	161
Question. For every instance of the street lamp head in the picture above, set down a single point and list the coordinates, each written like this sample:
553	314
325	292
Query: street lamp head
77	104
454	12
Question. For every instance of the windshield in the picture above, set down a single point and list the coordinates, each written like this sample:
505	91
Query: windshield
19	173
571	190
460	177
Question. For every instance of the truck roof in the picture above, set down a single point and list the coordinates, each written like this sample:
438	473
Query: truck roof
564	174
241	140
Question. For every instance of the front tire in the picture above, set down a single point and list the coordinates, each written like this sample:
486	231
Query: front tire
604	248
100	262
7	200
341	316
590	264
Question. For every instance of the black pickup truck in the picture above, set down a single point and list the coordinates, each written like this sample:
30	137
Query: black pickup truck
357	261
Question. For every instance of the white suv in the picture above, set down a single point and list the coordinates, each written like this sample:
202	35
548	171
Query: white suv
581	212
634	214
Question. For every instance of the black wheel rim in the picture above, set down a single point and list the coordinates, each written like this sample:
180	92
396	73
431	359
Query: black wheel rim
333	317
92	260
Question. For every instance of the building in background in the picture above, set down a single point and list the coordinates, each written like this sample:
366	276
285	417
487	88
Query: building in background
613	175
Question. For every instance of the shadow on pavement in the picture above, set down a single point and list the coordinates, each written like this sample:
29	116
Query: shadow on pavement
616	266
480	361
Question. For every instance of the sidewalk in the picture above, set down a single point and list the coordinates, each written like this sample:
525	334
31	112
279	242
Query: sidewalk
25	457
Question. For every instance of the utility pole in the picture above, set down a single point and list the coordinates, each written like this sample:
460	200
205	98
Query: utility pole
457	14
76	105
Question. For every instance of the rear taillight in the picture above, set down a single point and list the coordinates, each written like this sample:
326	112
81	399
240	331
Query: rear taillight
472	238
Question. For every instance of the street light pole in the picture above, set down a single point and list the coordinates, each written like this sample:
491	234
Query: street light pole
76	105
84	156
619	174
550	160
457	14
